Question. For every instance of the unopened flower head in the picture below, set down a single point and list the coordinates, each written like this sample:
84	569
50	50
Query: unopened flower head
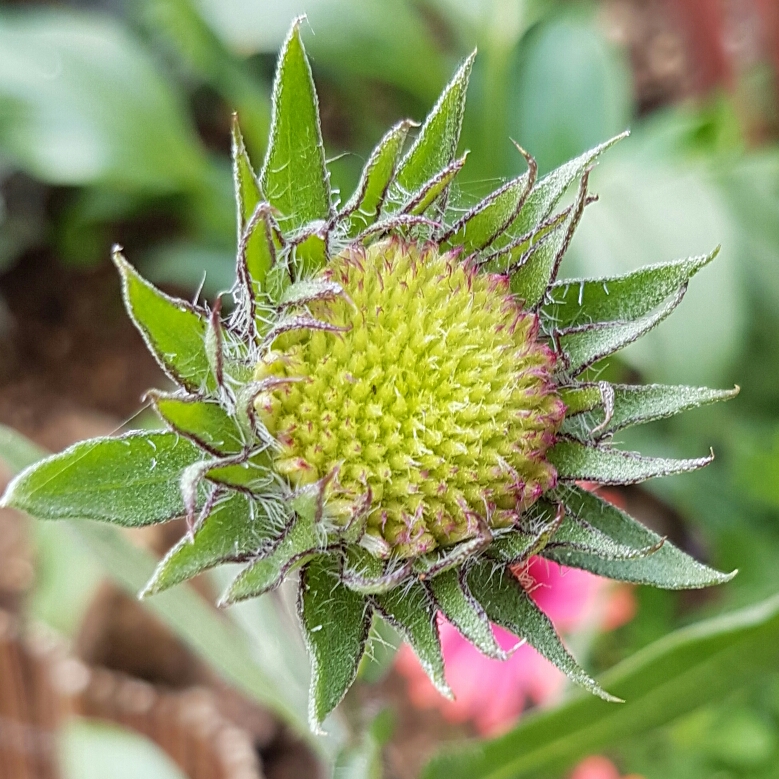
399	407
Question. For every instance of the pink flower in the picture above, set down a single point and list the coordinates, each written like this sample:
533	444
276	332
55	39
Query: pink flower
491	694
598	767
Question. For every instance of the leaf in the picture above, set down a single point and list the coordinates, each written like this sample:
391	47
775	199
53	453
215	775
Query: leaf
576	535
174	331
637	405
508	605
412	612
575	461
580	399
253	475
237	526
585	346
131	480
85	104
436	144
256	252
203	422
697	665
487	220
434	190
547	193
365	204
215	639
335	624
298	540
456	603
294	178
668	567
311	253
619	298
247	188
539	268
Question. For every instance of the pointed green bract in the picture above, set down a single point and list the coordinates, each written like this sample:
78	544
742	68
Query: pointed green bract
335	623
204	422
619	298
668	567
585	347
131	480
294	178
436	144
639	404
575	534
311	254
255	474
174	330
412	611
256	252
236	526
547	193
456	603
508	605
579	399
364	206
575	461
539	269
247	188
297	542
434	189
480	226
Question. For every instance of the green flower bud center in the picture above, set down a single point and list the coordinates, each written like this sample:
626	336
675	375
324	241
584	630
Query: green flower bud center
430	408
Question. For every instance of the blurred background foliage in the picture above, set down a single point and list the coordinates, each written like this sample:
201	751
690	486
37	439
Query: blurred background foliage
114	127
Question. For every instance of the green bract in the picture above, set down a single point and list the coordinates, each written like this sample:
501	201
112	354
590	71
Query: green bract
395	405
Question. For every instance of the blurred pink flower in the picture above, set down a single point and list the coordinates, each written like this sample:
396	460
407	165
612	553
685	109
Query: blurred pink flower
598	767
491	694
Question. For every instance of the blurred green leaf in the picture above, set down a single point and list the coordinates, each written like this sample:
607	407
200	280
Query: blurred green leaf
95	750
349	37
572	90
671	677
81	102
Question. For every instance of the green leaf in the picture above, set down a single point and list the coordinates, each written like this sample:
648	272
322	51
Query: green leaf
237	526
508	605
294	178
695	666
575	461
174	330
85	104
580	399
482	224
436	144
364	206
131	480
335	623
518	545
622	298
215	639
539	267
368	575
637	405
203	422
311	254
588	344
547	193
456	603
434	190
256	253
297	541
411	610
247	188
576	535
254	475
668	567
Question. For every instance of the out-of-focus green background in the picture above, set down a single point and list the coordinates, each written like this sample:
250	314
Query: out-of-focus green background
114	127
